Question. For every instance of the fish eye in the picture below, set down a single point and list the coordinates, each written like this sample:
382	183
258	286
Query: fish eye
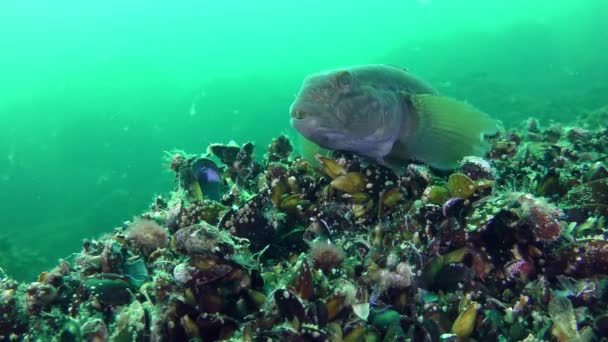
344	79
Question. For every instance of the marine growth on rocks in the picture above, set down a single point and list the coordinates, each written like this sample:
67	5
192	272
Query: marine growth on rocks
505	248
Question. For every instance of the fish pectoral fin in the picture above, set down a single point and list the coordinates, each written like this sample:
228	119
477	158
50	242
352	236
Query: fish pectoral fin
395	164
309	149
446	131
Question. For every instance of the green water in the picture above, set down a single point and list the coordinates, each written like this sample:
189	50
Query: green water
92	93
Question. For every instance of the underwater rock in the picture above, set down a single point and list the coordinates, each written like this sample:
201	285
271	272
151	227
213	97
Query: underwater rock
280	150
202	239
251	222
205	211
344	249
95	330
415	179
597	170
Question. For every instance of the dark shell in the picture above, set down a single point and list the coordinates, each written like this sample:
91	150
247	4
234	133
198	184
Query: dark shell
226	153
452	277
587	200
550	185
289	305
317	313
581	259
381	178
594	192
335	305
280	149
197	211
415	179
304	285
601	326
313	334
216	328
110	291
597	170
208	269
477	168
455	207
250	223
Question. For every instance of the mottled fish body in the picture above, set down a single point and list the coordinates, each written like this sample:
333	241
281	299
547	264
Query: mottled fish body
386	113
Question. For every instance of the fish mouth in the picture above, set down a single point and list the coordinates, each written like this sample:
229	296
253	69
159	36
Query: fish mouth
302	109
311	119
298	114
306	125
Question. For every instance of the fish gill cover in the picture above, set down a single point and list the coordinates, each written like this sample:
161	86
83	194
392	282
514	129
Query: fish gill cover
258	240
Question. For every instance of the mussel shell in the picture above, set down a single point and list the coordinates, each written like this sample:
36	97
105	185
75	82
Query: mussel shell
215	327
594	192
601	326
208	269
452	277
226	153
280	148
460	185
109	291
250	223
289	305
580	259
313	334
317	313
304	284
598	170
455	207
379	179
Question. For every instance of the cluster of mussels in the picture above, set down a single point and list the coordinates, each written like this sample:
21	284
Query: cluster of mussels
508	248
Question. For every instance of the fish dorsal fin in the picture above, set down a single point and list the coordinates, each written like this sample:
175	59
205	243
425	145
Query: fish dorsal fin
441	131
397	67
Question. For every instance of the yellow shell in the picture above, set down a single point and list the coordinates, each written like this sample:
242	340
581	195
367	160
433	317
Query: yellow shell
392	197
330	167
437	194
351	182
460	185
465	322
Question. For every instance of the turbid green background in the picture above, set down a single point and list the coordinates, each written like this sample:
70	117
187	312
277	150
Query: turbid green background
93	92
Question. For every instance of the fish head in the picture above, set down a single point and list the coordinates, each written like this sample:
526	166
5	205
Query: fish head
340	110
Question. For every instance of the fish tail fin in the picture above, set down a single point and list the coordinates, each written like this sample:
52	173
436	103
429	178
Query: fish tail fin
447	130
